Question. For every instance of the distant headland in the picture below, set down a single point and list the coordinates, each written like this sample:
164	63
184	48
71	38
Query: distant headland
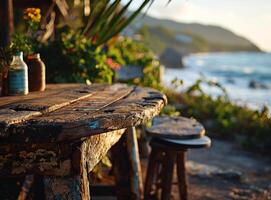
163	34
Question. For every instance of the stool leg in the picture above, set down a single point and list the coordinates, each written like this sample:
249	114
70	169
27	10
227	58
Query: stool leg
167	173
182	178
127	167
152	172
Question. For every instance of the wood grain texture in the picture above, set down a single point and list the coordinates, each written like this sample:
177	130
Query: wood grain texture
64	132
94	148
64	188
14	126
51	89
138	107
16	109
55	159
176	128
119	106
19	159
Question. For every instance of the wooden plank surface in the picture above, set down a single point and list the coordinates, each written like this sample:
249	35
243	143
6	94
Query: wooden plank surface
138	107
95	97
51	89
111	108
15	109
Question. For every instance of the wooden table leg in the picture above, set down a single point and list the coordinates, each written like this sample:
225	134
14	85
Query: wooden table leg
167	174
26	187
68	188
182	177
65	188
127	168
121	169
136	172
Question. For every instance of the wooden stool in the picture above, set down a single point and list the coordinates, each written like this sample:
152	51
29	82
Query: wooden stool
171	138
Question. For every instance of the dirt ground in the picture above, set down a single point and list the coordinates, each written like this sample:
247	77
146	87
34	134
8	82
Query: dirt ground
224	171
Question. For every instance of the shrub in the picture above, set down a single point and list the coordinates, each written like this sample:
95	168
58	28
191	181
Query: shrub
134	53
73	58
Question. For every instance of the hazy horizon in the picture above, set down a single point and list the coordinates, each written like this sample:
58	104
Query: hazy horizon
248	18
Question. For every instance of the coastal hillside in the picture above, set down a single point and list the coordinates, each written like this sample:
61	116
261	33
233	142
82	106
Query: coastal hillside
162	34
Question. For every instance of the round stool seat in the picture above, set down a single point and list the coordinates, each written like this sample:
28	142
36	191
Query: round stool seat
176	144
176	128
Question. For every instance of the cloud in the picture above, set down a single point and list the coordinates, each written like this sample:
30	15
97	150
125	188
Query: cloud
183	10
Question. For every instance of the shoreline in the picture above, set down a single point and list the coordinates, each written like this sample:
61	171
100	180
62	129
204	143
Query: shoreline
234	72
227	52
235	102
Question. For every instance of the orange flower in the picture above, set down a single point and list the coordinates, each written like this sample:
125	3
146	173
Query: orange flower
32	14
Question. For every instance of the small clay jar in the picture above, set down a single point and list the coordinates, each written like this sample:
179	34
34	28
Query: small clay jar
36	73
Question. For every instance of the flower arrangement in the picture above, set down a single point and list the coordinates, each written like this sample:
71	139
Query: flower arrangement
28	41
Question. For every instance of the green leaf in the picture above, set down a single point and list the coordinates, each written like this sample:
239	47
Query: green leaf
102	18
94	18
116	19
124	24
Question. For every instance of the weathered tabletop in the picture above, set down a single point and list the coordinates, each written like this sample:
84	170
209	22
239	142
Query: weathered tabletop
69	112
66	129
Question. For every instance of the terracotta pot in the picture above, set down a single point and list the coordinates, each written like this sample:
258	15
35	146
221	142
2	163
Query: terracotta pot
36	73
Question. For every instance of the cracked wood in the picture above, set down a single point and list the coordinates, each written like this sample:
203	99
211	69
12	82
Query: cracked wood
110	108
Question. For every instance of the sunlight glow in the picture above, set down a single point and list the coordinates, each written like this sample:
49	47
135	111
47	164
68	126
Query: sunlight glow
248	18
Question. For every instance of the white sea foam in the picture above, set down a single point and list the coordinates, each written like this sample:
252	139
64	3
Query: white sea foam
234	71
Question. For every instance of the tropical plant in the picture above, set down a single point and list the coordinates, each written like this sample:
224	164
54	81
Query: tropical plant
101	20
108	18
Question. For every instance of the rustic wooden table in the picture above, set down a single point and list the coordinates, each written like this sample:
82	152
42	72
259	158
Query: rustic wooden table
63	132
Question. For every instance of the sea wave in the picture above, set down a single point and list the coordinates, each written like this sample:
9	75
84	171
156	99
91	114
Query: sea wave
246	76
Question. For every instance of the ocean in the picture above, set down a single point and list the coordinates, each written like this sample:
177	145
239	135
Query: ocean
245	76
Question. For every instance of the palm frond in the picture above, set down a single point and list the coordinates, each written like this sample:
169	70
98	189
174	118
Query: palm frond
124	24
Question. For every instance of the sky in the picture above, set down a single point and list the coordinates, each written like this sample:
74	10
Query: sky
248	18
